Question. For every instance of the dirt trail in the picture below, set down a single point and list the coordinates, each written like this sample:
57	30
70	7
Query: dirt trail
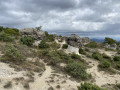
101	77
40	82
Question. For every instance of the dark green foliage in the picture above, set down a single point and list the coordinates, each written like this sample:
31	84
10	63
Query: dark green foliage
1	28
97	55
65	46
92	44
89	86
77	70
43	45
118	65
54	57
106	56
12	31
116	58
118	86
46	34
12	54
54	45
75	56
27	40
5	37
81	51
49	37
104	64
109	40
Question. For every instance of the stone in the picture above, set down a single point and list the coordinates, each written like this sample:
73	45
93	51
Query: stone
33	32
77	41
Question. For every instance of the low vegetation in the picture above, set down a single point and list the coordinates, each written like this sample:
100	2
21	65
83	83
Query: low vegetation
43	45
27	40
96	55
89	86
81	51
65	46
104	64
49	37
77	70
6	37
109	41
12	54
93	44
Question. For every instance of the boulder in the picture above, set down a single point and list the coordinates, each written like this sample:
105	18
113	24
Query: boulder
77	41
37	34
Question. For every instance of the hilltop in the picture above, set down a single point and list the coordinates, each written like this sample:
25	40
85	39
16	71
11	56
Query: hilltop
32	59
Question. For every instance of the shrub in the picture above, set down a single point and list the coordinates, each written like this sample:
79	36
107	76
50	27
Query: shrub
27	40
77	70
81	51
118	85
116	58
1	28
75	56
97	55
54	45
89	86
65	46
12	31
5	37
12	54
106	56
104	64
109	40
49	37
43	45
92	44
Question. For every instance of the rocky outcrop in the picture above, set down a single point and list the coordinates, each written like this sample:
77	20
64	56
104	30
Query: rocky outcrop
77	41
37	34
113	46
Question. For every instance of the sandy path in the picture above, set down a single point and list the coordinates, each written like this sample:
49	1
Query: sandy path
101	78
40	82
109	53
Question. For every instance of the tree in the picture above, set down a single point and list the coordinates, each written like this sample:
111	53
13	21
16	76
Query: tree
39	28
109	40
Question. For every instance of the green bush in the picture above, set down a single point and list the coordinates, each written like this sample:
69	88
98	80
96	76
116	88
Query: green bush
5	37
12	31
49	37
97	55
104	64
77	70
92	44
118	65
109	40
116	58
1	28
106	56
54	45
75	56
12	54
118	86
89	86
27	40
43	45
81	51
65	46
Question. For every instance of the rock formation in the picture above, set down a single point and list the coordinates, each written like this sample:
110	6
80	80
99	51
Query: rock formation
77	41
34	32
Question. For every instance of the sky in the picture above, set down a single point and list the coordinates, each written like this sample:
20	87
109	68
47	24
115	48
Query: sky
98	17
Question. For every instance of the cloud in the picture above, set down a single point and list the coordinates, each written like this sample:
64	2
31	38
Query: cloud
96	16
